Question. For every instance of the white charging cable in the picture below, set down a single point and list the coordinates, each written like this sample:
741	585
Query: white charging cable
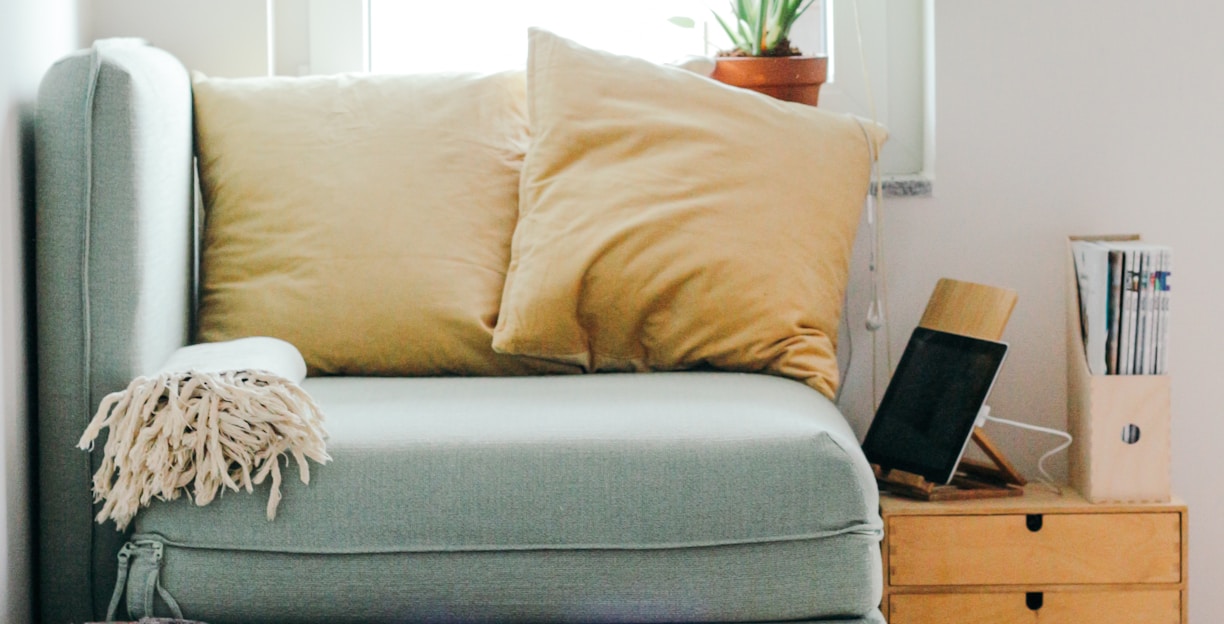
1046	479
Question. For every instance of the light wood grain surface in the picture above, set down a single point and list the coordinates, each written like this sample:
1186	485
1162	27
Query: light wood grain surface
969	555
969	309
1088	607
1066	549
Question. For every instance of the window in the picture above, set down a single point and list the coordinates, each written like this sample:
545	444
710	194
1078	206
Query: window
414	36
894	49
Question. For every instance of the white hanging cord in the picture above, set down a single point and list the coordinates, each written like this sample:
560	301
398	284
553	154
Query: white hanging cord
858	31
877	317
1045	479
844	338
270	33
367	50
875	311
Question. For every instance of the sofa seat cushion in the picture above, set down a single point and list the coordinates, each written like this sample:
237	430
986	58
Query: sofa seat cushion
600	461
661	497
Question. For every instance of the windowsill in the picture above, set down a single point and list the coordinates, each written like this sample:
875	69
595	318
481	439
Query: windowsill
911	185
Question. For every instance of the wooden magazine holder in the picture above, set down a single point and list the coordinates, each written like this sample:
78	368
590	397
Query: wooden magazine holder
982	312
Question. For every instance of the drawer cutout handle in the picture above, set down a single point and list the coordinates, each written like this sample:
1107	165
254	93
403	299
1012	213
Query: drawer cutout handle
1034	600
1033	522
1130	434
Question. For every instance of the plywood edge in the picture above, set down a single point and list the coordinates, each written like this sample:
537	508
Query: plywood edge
1037	499
886	567
914	590
1079	405
1104	237
1185	565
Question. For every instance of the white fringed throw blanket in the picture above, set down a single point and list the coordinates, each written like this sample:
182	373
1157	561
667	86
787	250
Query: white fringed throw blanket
218	414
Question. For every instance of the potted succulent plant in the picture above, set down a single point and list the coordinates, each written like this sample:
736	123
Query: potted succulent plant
763	58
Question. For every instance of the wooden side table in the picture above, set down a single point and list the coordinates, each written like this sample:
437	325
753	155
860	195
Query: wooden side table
1038	558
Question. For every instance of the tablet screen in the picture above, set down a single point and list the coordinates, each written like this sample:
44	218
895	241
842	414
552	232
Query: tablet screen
928	411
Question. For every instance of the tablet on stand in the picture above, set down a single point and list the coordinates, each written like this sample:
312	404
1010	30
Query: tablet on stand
931	408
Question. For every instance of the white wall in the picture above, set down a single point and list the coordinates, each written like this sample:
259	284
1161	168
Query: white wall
218	37
33	33
1053	118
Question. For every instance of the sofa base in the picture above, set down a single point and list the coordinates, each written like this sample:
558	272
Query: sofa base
793	580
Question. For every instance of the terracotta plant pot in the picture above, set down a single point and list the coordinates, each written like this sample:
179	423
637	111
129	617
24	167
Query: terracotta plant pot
791	78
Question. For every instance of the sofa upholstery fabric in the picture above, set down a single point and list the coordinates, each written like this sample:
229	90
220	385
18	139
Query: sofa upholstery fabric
744	495
798	580
113	274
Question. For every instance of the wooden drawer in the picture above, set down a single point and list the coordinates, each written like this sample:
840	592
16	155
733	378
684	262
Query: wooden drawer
1086	607
1015	549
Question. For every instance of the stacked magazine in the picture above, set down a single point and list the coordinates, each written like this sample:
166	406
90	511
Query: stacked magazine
1124	305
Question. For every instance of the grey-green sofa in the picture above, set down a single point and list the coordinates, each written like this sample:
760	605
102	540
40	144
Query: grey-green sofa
661	497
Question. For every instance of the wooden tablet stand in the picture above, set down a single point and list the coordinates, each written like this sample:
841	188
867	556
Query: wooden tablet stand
982	312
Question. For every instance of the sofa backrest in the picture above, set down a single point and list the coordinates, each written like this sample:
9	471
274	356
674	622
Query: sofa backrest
114	279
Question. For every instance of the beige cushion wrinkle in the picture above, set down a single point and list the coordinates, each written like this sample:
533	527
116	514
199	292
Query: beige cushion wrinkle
364	219
668	221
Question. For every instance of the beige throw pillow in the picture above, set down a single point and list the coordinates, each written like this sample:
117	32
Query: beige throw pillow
364	219
667	221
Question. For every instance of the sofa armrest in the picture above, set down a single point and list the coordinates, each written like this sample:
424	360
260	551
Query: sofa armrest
114	264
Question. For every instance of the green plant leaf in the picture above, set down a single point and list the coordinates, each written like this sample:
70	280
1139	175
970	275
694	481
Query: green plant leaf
760	42
797	10
740	10
761	25
747	38
735	40
683	22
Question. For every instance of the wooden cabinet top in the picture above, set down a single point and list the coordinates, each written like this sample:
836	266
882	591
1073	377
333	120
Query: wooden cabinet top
1037	499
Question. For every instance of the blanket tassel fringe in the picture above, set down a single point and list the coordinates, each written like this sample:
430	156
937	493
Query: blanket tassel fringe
194	433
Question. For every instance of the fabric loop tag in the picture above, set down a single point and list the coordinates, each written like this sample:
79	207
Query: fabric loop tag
140	564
